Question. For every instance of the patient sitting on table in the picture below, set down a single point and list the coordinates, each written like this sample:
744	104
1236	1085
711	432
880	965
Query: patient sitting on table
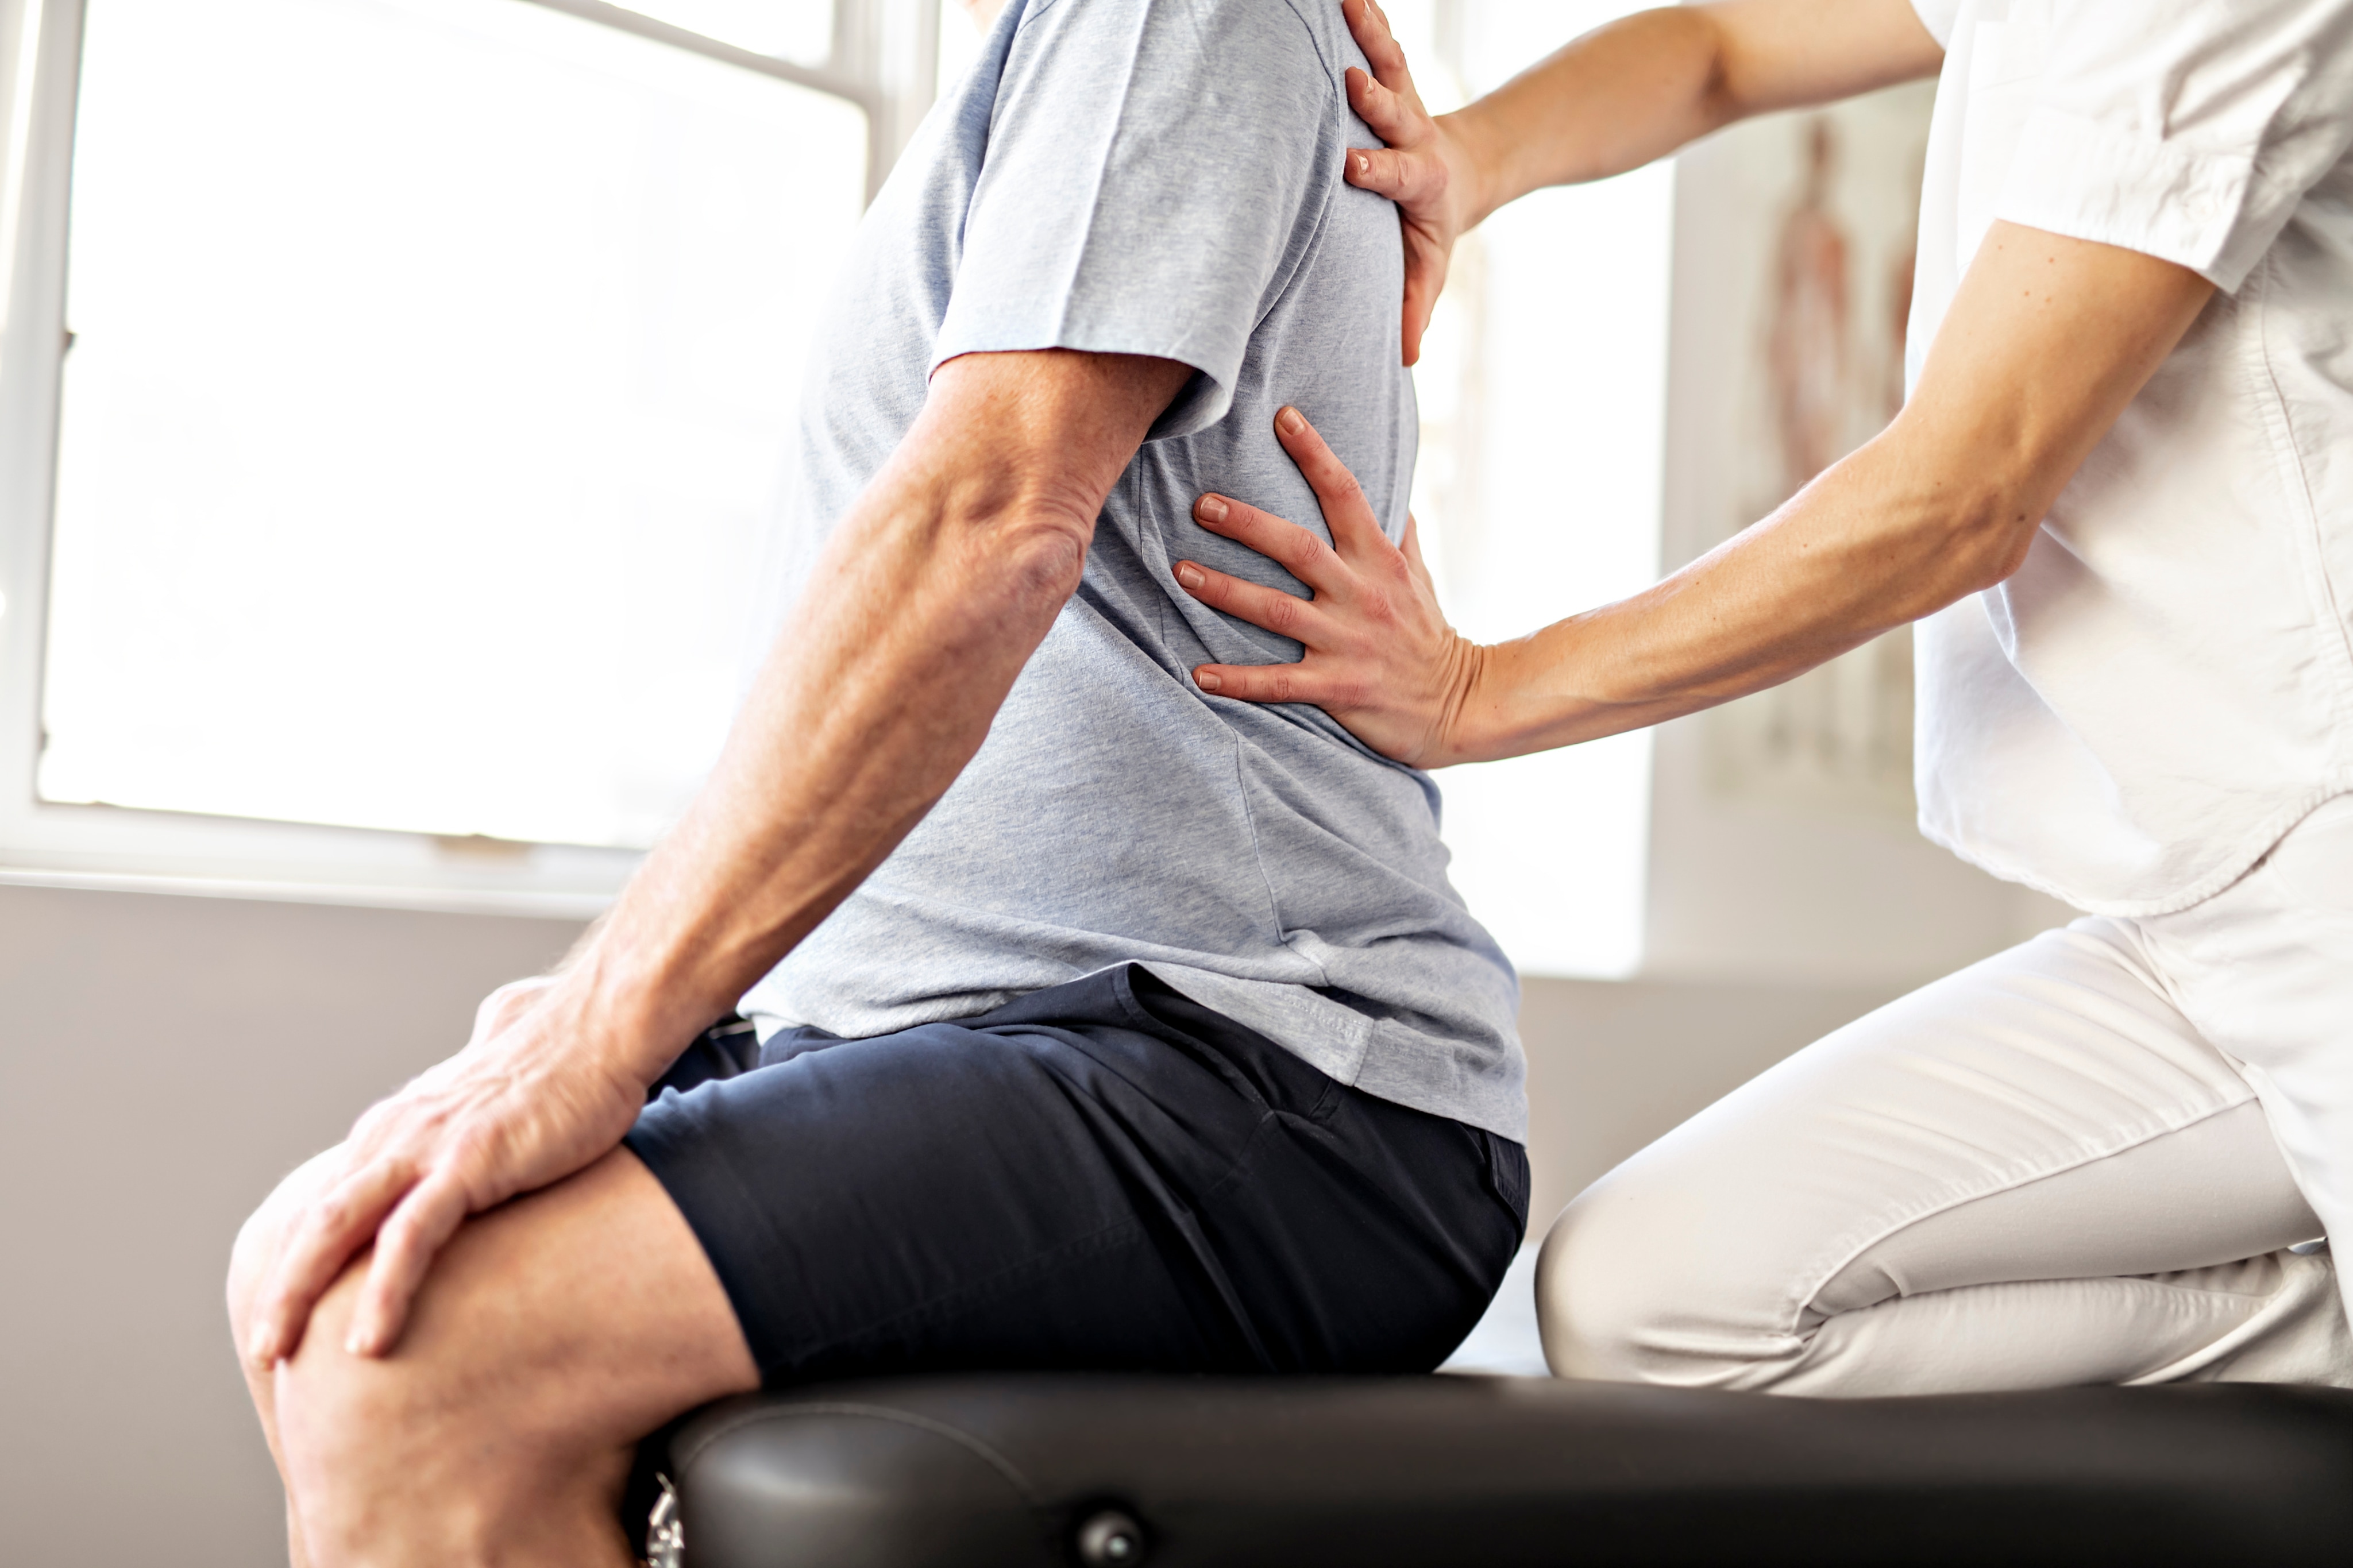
1104	1023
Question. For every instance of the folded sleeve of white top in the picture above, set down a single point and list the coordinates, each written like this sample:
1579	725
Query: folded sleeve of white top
2165	686
2182	128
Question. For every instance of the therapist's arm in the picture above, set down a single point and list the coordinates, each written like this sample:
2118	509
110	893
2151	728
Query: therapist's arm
1611	100
2045	343
930	596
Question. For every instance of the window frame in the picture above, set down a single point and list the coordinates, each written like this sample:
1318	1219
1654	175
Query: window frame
883	60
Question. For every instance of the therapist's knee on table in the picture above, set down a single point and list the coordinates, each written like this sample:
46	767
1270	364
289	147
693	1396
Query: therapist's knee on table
1628	1290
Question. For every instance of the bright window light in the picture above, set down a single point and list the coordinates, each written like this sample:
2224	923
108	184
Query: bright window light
427	411
1543	388
959	46
796	30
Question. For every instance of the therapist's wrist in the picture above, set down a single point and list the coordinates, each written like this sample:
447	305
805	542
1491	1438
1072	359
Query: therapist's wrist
1476	151
1466	731
1538	692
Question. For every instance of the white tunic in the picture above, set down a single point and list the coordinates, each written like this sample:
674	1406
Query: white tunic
2165	686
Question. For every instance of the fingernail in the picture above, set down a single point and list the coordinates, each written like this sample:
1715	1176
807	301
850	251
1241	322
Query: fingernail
1364	164
1209	682
1292	421
1190	575
1209	509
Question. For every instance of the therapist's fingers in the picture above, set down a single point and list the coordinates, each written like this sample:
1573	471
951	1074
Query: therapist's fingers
1287	544
1397	115
1406	170
1370	26
1356	529
1270	683
1414	564
1284	614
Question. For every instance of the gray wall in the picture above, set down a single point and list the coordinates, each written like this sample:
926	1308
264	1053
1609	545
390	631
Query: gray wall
165	1060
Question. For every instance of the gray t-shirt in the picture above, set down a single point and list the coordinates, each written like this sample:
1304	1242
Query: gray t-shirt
1157	177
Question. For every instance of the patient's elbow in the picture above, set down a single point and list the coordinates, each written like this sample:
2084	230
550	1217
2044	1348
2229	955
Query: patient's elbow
1047	557
1018	532
1031	551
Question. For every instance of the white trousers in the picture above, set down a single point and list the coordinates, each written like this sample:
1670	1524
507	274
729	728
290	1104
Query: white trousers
2085	1160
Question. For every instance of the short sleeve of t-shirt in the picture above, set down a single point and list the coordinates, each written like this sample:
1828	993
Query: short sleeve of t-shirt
2183	128
1153	170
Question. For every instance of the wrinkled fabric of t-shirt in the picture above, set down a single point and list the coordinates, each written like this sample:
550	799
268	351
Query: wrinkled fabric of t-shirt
1157	177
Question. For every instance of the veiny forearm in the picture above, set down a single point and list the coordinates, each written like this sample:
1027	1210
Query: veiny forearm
1639	87
1614	99
935	593
856	728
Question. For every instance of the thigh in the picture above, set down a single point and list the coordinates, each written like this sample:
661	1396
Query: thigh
2265	969
550	1335
1716	1246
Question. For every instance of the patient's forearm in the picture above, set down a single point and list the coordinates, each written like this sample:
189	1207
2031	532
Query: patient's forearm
1639	87
934	594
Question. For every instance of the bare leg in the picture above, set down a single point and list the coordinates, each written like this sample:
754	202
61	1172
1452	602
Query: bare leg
552	1335
257	1245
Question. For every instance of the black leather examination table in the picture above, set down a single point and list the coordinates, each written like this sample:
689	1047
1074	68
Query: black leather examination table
1467	1472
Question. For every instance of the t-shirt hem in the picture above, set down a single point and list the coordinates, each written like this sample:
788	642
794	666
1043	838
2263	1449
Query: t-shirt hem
1376	1057
1372	1056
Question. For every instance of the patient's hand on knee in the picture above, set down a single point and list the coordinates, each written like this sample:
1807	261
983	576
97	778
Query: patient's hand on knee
529	1100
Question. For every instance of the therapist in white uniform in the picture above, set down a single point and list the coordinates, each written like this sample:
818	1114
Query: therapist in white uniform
2119	502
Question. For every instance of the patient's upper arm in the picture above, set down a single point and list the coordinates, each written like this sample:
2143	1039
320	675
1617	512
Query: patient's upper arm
1038	436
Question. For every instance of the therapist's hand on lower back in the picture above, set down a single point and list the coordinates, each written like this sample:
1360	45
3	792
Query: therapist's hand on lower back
2047	340
1380	657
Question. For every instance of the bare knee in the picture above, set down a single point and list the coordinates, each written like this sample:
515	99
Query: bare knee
250	1262
349	1431
501	1426
415	1457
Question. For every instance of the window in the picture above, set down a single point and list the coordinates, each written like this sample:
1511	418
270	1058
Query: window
1544	400
415	378
385	527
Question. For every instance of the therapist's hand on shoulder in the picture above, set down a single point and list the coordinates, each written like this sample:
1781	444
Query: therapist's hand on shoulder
1426	168
1380	657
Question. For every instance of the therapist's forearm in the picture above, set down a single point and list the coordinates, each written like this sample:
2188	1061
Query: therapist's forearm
1639	87
1871	545
2045	344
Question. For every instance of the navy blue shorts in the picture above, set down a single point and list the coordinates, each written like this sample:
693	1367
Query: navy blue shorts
1103	1176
